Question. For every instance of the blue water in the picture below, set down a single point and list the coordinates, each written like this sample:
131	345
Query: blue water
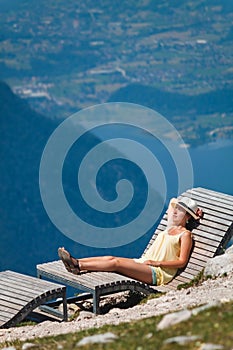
213	166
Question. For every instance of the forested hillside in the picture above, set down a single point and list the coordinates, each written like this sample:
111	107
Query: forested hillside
198	118
28	237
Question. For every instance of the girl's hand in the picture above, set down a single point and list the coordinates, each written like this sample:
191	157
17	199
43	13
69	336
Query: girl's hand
199	213
148	262
152	263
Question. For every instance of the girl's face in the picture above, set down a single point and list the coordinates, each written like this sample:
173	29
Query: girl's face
179	215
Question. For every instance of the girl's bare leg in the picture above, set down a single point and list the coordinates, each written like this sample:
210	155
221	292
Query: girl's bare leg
125	266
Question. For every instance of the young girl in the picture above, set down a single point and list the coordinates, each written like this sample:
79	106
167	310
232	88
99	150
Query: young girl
169	252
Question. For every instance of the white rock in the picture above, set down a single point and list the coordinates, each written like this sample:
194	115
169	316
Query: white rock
219	265
99	338
182	340
26	346
205	307
149	335
71	308
85	315
115	311
174	318
209	346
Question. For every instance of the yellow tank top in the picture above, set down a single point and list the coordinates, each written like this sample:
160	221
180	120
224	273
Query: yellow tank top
165	248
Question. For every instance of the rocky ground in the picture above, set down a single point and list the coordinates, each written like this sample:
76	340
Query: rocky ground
125	307
212	290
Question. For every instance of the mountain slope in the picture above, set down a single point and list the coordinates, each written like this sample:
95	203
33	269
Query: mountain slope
26	232
27	235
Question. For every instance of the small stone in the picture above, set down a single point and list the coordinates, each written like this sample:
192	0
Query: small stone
87	305
149	335
205	307
225	300
182	340
26	346
99	338
73	307
230	250
85	315
209	346
174	318
115	311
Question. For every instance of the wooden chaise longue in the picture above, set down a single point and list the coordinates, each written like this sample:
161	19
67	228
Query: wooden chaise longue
21	294
210	238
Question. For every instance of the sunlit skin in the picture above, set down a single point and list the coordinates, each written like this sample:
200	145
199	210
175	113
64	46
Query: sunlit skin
178	217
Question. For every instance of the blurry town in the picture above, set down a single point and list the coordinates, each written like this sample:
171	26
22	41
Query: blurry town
62	58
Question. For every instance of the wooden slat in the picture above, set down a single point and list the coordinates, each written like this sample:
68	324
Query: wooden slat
48	268
11	308
218	204
211	194
97	278
11	285
28	280
20	294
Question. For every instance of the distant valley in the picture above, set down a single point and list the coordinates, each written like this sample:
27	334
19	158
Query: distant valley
174	56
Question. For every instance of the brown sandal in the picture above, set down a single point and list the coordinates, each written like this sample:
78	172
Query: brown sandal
68	262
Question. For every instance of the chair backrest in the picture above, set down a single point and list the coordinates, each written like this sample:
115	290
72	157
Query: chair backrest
212	234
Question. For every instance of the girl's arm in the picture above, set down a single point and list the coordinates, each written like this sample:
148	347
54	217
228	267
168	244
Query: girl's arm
185	248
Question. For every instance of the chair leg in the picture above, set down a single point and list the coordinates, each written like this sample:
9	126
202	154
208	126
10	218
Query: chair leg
65	312
96	300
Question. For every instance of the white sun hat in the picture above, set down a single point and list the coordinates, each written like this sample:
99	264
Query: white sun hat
187	204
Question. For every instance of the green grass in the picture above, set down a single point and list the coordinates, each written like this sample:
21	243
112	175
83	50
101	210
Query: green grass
211	326
195	282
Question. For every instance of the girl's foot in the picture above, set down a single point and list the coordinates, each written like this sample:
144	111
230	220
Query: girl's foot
71	264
